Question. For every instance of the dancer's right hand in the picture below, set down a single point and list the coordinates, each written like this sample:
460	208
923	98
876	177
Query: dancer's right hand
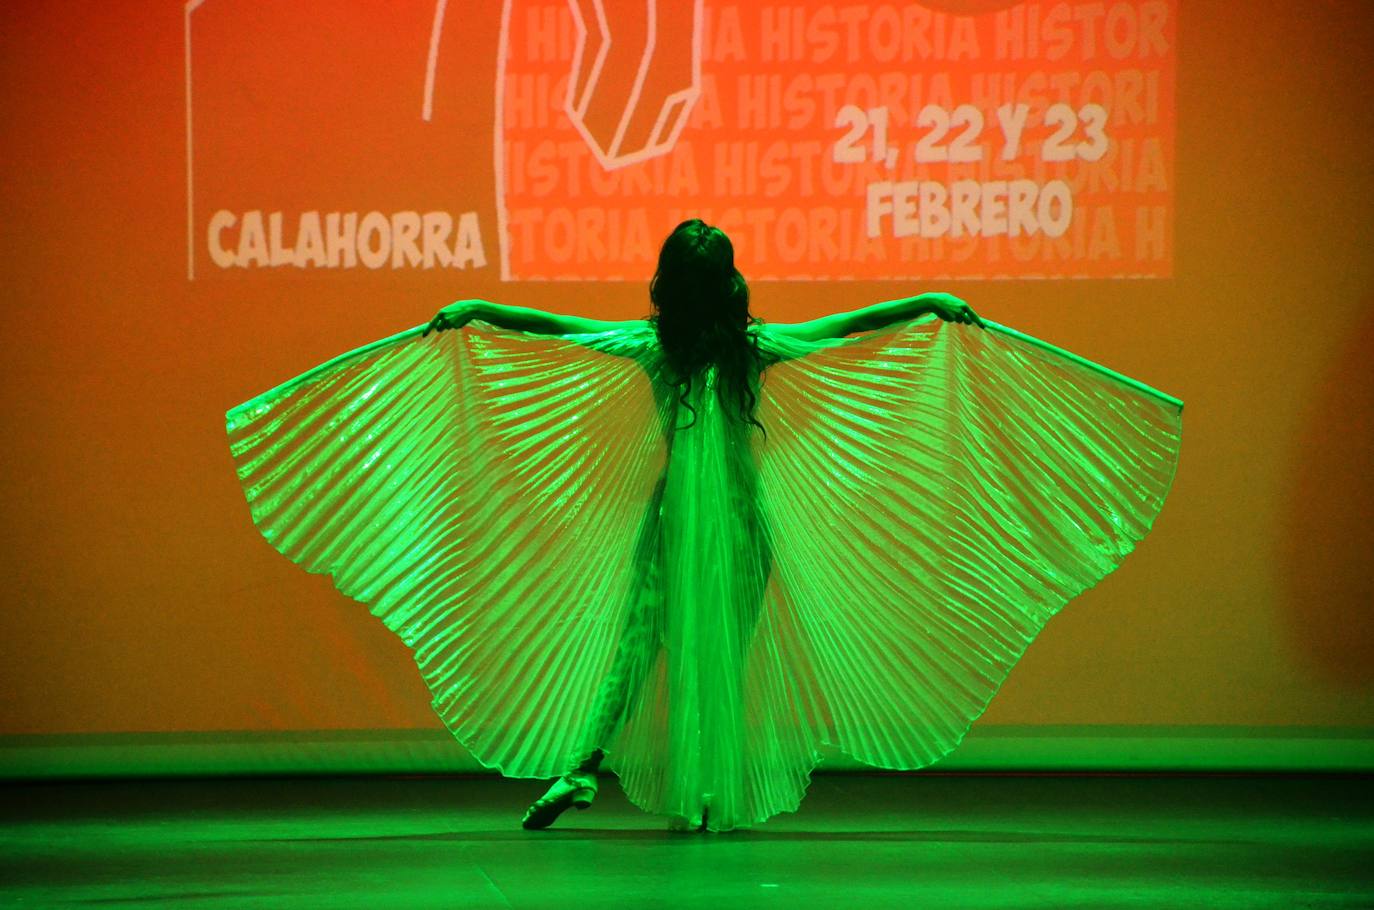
454	316
952	309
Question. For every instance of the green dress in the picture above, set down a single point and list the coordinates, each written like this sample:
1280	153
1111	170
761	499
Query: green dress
578	562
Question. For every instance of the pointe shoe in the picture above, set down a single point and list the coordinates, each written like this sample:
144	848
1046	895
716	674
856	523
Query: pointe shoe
572	789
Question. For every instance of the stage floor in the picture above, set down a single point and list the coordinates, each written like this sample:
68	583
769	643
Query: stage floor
916	840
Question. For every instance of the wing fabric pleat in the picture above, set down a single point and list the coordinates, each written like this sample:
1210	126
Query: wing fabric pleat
934	494
479	490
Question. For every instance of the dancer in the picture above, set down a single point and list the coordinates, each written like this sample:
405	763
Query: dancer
701	319
701	546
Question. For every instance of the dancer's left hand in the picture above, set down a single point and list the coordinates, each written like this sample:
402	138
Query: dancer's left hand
454	316
952	309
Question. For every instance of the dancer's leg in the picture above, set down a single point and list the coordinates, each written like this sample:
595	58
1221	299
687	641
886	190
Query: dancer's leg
634	652
633	659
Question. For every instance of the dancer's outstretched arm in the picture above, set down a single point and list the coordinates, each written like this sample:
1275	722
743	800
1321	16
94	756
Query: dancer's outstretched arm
524	319
864	319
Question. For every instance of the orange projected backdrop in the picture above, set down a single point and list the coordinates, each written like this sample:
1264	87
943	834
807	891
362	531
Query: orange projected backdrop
205	198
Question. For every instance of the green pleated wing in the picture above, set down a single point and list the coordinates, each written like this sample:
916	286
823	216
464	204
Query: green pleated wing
537	521
936	492
480	490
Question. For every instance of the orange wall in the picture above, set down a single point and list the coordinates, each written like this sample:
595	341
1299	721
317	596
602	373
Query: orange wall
141	598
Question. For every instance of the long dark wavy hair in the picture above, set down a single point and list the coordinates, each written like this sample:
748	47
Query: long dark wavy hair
701	314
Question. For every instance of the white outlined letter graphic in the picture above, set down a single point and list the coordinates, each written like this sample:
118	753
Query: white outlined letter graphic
629	120
634	78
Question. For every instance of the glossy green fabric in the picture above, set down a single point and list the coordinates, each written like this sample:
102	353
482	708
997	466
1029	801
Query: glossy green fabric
576	567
